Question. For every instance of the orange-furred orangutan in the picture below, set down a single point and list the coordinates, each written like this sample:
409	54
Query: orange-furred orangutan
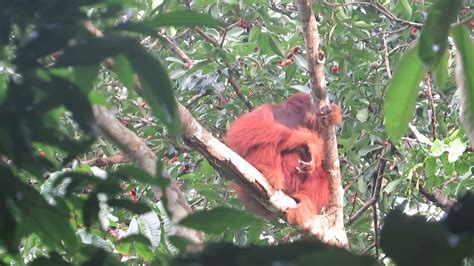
282	142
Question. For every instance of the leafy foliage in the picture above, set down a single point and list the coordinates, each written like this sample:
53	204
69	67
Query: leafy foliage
58	208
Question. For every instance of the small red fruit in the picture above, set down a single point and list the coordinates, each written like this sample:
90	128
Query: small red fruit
143	104
286	62
42	154
413	29
295	49
465	10
189	65
471	23
335	69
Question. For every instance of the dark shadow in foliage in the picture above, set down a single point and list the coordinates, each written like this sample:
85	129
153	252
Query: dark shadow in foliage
460	218
98	257
300	253
411	240
53	259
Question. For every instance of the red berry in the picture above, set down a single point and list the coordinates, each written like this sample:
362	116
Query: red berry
42	154
143	104
296	49
465	10
413	30
471	23
286	62
335	69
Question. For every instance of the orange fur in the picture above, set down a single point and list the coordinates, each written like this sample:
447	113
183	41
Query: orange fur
276	139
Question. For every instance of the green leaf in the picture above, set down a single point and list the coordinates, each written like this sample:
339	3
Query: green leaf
218	220
3	87
402	91
368	149
136	238
392	185
441	71
430	170
124	71
434	36
290	72
456	150
276	46
92	51
362	115
156	86
140	175
448	167
438	148
363	25
84	76
406	6
150	226
135	207
203	3
184	18
465	77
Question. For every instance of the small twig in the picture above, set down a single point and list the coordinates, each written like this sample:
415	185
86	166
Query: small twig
375	218
230	70
196	98
385	53
274	7
143	192
434	121
371	246
376	191
115	159
177	50
387	13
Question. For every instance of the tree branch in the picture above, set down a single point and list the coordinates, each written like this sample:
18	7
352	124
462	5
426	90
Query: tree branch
437	197
134	148
331	230
115	159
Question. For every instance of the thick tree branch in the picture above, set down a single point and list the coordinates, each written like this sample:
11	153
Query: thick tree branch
437	197
331	229
135	149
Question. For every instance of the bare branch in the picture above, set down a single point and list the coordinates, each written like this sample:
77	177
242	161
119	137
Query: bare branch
177	50
131	145
385	53
135	149
331	230
376	191
437	197
115	159
434	121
